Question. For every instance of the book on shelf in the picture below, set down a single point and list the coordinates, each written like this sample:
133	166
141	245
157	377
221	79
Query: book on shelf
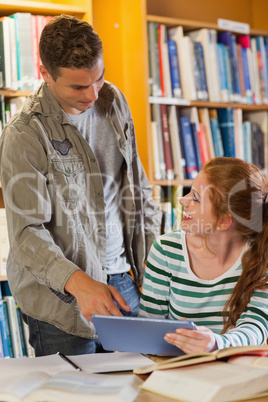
226	122
262	67
238	132
223	72
165	78
154	80
6	44
261	118
196	146
189	147
178	154
203	114
157	136
241	73
257	146
155	152
208	39
17	343
174	69
216	133
229	40
166	142
24	51
255	72
244	41
200	65
187	83
209	382
4	329
247	142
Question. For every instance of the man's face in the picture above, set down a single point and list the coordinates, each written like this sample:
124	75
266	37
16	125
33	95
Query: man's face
76	90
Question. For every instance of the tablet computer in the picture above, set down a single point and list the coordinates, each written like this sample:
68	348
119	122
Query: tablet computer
138	334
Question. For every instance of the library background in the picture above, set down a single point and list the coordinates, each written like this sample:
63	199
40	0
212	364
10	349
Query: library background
195	75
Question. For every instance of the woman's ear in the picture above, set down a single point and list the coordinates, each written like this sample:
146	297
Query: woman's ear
225	222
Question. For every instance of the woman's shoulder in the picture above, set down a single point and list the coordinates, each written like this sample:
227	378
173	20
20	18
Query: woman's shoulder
175	239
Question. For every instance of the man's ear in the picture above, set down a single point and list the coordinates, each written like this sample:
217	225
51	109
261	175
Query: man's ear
45	74
225	222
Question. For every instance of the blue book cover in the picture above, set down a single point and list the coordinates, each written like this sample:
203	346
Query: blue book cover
198	50
226	123
246	76
196	146
222	68
262	67
228	72
228	39
174	68
189	148
4	329
247	142
216	136
8	328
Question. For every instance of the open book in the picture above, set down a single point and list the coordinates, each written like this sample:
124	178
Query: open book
203	357
216	381
70	386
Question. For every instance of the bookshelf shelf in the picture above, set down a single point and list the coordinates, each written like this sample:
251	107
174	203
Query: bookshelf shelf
36	7
13	94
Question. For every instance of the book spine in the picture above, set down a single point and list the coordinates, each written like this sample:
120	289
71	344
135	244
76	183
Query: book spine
246	76
223	73
4	330
166	142
174	68
189	149
196	146
9	337
226	123
12	315
153	60
199	54
216	135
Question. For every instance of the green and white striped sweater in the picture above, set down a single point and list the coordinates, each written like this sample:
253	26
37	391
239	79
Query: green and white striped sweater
171	290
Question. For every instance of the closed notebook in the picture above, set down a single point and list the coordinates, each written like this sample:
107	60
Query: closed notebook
138	334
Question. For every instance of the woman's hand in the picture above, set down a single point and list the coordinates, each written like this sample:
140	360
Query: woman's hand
201	339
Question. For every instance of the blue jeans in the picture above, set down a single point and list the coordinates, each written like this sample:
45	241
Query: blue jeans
46	339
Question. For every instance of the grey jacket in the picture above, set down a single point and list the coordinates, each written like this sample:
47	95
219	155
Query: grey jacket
54	203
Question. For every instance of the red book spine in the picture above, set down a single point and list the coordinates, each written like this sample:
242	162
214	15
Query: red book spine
166	142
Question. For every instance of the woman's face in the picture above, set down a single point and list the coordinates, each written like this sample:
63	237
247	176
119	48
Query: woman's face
197	208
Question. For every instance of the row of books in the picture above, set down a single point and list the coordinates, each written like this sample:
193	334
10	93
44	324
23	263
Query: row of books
14	333
167	197
19	54
183	139
205	64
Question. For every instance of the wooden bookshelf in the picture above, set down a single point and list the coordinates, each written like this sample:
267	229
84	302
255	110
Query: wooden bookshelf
126	59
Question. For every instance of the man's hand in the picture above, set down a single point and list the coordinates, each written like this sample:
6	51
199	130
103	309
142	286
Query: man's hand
94	297
201	339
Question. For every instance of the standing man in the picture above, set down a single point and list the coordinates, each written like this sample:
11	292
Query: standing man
77	200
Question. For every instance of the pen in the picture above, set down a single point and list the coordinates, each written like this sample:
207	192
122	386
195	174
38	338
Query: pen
69	361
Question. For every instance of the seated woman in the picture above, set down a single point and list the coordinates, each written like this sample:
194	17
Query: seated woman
213	270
